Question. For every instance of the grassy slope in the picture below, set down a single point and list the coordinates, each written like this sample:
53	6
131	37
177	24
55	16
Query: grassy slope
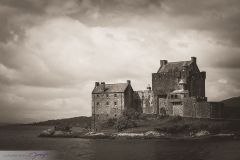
232	108
232	102
73	122
185	125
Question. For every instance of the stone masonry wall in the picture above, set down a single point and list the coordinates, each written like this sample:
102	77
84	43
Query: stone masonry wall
165	106
144	99
197	84
178	110
189	107
195	109
105	106
164	83
128	96
203	110
217	110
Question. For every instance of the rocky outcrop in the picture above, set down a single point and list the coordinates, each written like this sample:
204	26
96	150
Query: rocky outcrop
201	133
127	135
48	132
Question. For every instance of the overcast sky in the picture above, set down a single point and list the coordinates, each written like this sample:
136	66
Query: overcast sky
52	51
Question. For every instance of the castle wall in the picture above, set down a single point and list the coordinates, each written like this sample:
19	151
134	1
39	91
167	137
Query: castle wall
144	99
137	101
165	106
197	84
217	110
186	107
203	110
105	106
178	110
189	107
128	96
164	83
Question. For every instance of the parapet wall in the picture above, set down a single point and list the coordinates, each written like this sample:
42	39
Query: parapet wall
190	107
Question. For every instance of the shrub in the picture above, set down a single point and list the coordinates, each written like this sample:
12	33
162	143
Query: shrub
131	113
109	123
124	123
176	118
62	128
142	116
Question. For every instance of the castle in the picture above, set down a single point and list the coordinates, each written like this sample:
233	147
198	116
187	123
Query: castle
178	89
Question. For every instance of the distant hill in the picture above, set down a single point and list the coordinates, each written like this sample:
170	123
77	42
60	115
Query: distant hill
232	102
231	108
81	121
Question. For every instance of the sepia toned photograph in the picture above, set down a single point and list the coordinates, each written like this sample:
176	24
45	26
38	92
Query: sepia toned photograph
119	80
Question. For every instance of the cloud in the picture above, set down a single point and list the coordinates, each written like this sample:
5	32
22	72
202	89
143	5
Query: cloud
51	52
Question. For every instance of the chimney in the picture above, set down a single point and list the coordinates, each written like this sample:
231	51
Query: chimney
96	84
103	86
194	59
149	87
129	82
163	62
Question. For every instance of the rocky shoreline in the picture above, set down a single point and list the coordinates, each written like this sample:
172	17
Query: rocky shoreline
203	134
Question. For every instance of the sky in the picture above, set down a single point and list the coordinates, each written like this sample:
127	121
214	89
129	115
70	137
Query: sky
53	51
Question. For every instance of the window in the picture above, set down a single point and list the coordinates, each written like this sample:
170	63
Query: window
97	95
115	103
107	103
97	103
162	96
115	95
177	103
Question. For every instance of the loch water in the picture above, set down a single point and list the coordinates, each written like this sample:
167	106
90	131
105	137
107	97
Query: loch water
24	138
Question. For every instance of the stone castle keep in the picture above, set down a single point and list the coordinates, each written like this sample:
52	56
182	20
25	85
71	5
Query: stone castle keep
178	89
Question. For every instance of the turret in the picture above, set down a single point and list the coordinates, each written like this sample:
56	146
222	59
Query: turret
182	83
128	82
102	86
96	84
194	59
163	62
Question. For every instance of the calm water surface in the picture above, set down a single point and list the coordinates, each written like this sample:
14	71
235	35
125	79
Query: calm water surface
25	138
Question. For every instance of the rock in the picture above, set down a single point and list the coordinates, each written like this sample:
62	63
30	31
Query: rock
47	132
224	135
153	134
130	134
202	133
94	134
58	133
